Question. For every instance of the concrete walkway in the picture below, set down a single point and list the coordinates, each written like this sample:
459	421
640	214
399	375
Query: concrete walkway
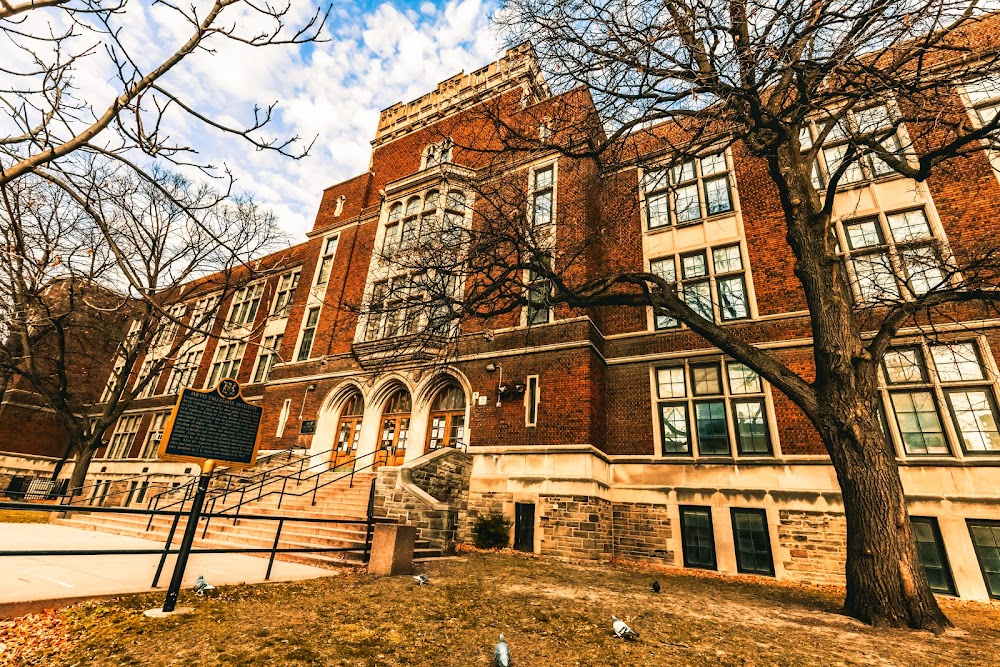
44	578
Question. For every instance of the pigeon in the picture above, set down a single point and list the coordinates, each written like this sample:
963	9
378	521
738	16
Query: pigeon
622	630
656	586
202	587
501	653
422	579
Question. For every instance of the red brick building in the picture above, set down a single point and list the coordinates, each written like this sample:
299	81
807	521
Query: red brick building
617	433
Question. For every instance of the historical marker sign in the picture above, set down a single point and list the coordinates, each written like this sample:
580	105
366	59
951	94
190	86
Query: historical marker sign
215	424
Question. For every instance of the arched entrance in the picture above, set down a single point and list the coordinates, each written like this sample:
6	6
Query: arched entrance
447	418
395	429
349	432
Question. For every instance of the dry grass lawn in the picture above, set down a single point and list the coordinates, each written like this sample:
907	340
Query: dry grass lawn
23	516
554	614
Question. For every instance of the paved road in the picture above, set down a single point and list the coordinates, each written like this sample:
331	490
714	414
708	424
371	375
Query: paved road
27	578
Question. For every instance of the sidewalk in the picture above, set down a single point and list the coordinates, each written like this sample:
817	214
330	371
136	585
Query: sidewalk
56	578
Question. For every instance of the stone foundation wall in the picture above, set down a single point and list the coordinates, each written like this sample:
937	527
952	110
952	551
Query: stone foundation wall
438	512
575	526
641	532
816	544
481	504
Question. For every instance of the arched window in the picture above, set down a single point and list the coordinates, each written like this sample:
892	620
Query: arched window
410	222
447	419
395	429
395	212
349	430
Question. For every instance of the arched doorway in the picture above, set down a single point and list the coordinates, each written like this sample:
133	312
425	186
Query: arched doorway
349	432
395	429
447	418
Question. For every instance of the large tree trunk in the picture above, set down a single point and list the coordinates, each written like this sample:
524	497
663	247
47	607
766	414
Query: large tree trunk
84	454
886	584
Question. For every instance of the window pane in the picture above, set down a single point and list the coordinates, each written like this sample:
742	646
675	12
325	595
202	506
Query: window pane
834	156
742	380
543	178
875	278
664	268
706	380
863	234
903	366
983	90
732	298
930	550
658	210
923	269
975	420
713	164
988	113
717	195
873	119
986	539
753	545
805	138
698	538
654	179
909	226
413	206
751	427
713	434
694	266
670	382
957	362
727	259
890	145
543	208
674	429
682	172
686	203
699	297
919	424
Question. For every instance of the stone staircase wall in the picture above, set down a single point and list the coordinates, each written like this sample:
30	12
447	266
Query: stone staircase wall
430	494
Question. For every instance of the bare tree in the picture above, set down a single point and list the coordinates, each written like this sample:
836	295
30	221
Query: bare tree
870	89
101	273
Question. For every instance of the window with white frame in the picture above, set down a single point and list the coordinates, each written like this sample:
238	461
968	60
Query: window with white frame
246	301
284	293
688	192
124	436
711	407
203	316
154	435
308	333
286	409
543	196
267	356
326	261
711	281
184	371
145	371
113	380
943	398
168	325
875	122
228	358
891	255
984	98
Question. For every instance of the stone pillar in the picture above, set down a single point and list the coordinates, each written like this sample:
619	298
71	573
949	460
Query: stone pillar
392	549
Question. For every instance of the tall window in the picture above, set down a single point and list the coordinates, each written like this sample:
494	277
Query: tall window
267	356
714	408
203	316
927	381
184	372
326	261
395	428
246	301
986	540
542	196
531	399
711	281
697	537
154	435
930	550
146	375
984	96
308	333
688	192
168	325
228	359
753	542
349	428
124	436
284	294
286	410
539	291
447	418
872	122
892	256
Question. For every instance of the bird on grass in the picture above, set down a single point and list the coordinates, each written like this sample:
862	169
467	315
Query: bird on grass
422	579
501	653
656	586
202	587
622	630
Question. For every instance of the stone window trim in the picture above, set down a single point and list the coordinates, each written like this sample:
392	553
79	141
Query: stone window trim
286	410
543	187
868	120
244	307
113	379
660	189
228	359
284	294
697	537
752	541
939	421
154	434
932	554
532	399
325	264
538	293
722	272
184	370
123	437
307	336
889	258
734	396
149	389
267	356
167	327
437	153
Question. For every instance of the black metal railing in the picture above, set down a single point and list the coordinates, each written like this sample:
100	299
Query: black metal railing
167	549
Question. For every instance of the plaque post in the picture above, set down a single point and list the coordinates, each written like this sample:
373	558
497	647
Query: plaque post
207	468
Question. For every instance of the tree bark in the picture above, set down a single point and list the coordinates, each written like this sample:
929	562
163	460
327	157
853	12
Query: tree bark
84	455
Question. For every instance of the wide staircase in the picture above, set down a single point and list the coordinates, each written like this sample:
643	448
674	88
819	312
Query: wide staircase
327	495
